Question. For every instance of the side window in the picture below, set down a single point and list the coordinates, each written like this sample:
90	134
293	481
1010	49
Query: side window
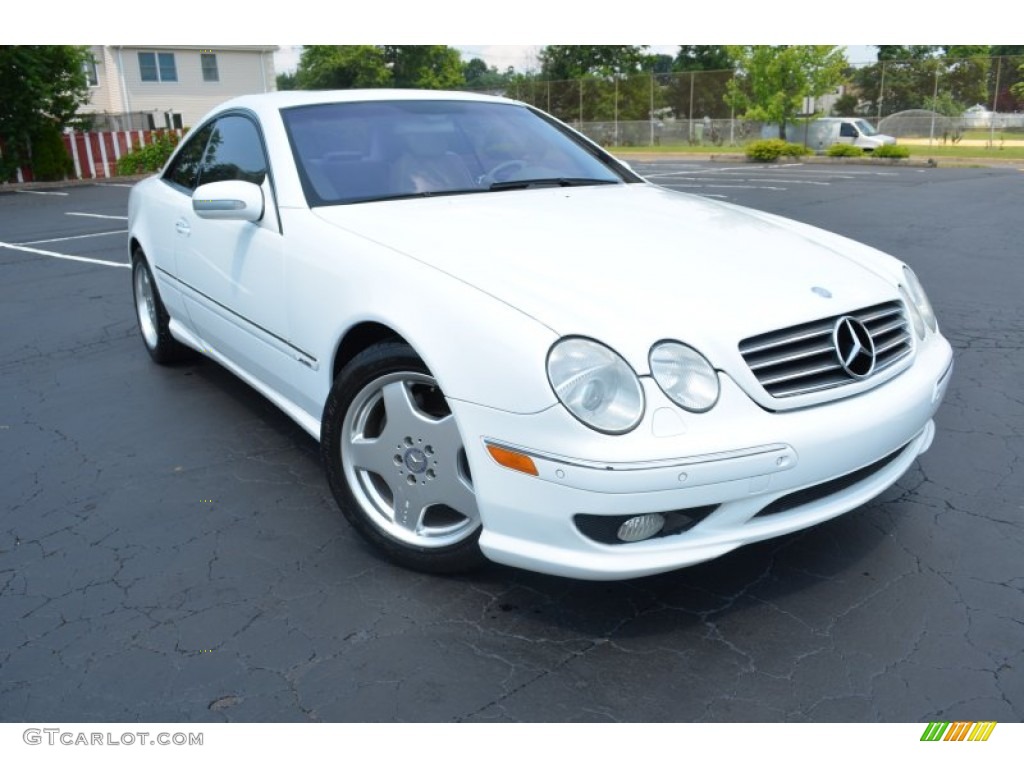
235	152
184	171
845	129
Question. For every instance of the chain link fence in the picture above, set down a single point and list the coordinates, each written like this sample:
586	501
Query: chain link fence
949	100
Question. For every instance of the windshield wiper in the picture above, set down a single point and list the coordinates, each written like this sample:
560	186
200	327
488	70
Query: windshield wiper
563	181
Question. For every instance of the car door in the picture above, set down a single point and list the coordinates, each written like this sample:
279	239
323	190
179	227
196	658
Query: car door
233	271
166	204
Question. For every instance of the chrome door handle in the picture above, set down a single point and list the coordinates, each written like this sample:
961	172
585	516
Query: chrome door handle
182	226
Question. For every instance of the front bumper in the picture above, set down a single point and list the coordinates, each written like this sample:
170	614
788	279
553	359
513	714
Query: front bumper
738	459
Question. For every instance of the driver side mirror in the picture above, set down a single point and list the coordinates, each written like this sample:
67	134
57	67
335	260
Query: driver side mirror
232	200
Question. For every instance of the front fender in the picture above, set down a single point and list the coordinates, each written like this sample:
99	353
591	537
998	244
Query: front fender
480	349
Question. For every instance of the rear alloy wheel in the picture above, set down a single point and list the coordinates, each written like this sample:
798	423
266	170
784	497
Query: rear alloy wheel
154	322
396	462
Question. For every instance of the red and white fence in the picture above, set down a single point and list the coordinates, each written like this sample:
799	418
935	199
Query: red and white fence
95	153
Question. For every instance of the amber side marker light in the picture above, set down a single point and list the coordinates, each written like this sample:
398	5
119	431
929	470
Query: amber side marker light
520	462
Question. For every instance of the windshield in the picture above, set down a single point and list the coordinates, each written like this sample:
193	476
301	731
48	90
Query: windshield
866	128
375	150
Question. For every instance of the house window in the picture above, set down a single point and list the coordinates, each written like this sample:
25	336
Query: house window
210	74
91	77
157	67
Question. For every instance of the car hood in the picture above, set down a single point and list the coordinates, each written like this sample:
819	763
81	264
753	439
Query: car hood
632	264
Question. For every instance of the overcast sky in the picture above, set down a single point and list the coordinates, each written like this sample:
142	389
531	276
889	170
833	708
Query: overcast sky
523	58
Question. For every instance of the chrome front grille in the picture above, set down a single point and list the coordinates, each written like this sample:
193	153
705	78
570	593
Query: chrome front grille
802	358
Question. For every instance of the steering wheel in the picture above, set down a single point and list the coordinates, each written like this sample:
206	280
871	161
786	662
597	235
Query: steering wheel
495	174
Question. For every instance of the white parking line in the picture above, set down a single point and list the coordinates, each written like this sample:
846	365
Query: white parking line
67	256
742	186
96	215
689	171
73	237
720	186
39	192
757	180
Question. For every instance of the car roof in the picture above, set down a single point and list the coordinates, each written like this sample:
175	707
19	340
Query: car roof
284	99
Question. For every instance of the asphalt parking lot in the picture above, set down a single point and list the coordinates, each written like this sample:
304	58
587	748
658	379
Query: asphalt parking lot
170	551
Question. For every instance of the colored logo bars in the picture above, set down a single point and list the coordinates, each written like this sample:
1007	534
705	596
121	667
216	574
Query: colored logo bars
959	731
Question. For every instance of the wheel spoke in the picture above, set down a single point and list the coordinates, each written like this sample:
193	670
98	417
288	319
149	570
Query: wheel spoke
451	490
403	415
373	456
409	506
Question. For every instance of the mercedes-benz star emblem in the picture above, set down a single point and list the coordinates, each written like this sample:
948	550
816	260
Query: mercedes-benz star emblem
415	460
854	346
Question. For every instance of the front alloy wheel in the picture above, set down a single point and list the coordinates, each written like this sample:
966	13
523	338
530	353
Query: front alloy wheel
154	322
396	462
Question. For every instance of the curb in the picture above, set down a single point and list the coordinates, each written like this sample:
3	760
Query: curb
28	186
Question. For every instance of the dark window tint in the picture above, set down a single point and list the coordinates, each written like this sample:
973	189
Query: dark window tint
234	152
847	130
185	168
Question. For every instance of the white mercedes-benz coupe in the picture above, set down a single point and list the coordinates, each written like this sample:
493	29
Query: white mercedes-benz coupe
509	345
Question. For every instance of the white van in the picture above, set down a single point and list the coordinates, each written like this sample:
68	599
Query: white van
823	132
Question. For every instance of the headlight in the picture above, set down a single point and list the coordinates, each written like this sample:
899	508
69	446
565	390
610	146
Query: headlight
920	298
596	385
685	376
915	314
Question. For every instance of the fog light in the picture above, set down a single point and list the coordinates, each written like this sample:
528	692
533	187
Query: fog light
640	528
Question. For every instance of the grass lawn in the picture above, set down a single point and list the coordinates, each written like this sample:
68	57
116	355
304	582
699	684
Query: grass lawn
981	135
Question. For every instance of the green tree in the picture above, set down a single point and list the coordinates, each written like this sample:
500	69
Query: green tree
594	82
286	81
1017	89
379	66
475	72
698	86
908	76
424	66
965	75
773	80
902	78
1005	74
703	58
845	106
659	64
572	62
41	89
480	77
342	66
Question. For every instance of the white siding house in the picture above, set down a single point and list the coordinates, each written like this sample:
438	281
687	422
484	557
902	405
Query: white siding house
144	86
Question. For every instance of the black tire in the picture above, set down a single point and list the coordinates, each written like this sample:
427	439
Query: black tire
152	317
396	464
